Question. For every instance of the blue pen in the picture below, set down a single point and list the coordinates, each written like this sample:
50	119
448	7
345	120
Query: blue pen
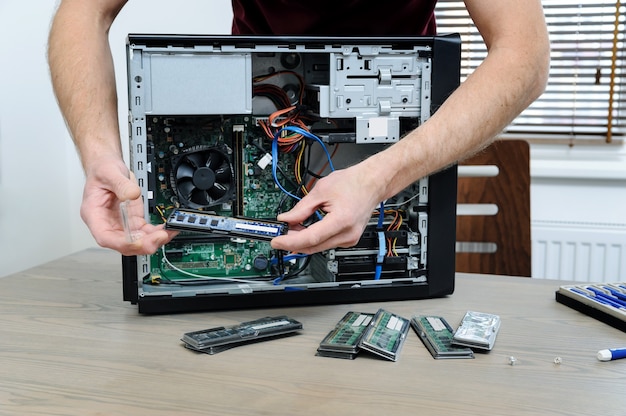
612	354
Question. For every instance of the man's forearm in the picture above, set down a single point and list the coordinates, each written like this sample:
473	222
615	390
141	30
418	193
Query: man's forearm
83	76
509	79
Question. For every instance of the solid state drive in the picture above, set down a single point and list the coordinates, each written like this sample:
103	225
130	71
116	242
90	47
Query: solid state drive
477	330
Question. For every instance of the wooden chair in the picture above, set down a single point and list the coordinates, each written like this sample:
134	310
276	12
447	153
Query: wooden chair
493	211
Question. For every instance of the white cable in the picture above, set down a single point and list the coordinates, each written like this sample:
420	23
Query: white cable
203	277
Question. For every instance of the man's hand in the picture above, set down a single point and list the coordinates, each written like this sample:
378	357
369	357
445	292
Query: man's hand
108	184
347	198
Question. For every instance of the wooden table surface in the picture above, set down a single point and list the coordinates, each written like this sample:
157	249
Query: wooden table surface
71	346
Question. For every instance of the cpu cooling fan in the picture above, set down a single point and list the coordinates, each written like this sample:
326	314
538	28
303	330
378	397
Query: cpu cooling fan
203	178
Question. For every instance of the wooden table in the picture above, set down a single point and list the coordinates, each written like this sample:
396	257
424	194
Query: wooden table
71	346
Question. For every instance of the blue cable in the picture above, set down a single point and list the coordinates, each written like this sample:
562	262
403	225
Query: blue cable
380	257
381	215
274	260
378	272
274	169
289	257
306	134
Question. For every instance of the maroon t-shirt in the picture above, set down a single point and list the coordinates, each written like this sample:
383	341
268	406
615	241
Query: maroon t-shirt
334	17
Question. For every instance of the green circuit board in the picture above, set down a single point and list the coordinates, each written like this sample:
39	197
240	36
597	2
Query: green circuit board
385	335
234	153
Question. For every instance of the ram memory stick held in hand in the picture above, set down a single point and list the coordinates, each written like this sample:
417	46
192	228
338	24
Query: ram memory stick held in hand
251	228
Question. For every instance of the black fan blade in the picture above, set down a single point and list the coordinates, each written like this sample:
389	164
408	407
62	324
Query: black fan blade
196	160
184	171
185	188
217	191
214	160
200	197
223	174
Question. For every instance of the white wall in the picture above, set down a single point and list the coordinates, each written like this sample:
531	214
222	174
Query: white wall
578	209
40	176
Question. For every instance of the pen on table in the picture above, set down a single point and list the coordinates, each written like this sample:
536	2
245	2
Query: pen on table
612	354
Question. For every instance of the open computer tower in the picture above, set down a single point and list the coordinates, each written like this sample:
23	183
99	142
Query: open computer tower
241	127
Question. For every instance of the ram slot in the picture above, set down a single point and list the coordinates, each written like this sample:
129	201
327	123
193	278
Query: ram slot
238	149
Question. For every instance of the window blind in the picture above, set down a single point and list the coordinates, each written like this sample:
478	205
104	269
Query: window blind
585	99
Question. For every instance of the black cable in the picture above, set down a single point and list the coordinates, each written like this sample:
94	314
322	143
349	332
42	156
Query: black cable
299	270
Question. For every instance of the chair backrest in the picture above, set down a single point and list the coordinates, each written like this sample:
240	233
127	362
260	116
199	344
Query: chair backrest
493	211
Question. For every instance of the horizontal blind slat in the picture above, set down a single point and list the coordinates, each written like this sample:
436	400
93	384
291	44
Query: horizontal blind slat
576	99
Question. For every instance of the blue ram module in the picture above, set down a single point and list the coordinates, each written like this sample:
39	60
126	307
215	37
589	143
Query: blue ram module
251	228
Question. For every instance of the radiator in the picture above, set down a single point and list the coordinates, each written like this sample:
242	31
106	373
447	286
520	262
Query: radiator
578	251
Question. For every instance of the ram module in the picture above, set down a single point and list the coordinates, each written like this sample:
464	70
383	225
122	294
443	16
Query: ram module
436	334
216	339
201	222
385	335
343	340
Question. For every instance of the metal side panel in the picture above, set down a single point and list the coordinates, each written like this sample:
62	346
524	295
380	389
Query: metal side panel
199	84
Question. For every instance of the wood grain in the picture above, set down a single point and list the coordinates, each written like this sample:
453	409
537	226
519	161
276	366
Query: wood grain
509	229
71	346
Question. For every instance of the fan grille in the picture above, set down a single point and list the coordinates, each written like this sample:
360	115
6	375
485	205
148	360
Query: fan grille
203	178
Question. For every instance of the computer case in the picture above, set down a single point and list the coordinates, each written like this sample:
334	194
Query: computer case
242	126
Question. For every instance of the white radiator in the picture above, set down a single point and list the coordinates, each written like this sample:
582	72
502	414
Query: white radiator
578	251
